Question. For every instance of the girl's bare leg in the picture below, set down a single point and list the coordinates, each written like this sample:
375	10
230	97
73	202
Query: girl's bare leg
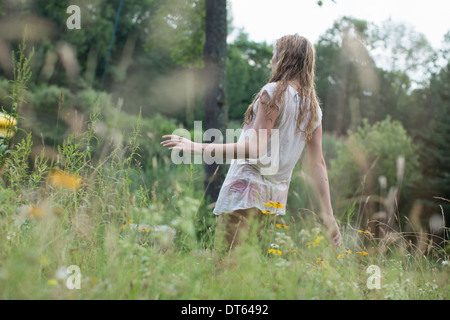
235	228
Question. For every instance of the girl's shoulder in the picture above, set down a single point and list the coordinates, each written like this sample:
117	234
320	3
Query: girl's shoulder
270	88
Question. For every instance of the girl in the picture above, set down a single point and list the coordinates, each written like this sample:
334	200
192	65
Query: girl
286	110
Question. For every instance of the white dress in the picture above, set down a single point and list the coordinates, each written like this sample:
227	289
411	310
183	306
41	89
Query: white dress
251	182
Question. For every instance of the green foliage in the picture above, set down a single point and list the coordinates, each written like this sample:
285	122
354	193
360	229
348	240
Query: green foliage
434	151
248	70
371	152
46	98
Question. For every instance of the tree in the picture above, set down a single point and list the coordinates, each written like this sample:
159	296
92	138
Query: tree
434	142
215	55
346	74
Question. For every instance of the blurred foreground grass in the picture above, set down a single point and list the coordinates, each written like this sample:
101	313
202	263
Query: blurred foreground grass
94	210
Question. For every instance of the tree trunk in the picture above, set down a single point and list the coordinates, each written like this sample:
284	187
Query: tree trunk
215	55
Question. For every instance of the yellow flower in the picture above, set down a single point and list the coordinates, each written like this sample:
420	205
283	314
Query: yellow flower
268	212
361	231
348	251
341	256
52	282
277	205
274	204
362	252
43	260
126	224
321	263
316	241
66	180
35	212
274	251
279	226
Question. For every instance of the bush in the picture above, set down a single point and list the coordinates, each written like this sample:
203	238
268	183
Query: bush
46	99
374	151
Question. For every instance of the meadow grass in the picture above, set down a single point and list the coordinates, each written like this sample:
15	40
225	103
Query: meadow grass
83	217
94	212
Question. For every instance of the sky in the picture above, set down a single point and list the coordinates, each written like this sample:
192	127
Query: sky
268	20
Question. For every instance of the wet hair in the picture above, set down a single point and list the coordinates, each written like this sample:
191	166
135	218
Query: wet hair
295	62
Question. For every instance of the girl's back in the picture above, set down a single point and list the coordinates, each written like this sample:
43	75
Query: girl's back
254	182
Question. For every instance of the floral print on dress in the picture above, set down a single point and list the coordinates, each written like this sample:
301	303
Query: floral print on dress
239	187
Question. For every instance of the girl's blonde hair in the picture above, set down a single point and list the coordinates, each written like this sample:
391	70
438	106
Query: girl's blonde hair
295	61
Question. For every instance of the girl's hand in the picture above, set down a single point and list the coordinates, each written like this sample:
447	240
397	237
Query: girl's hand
333	232
180	143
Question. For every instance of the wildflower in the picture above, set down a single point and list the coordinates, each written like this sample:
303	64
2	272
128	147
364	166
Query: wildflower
340	256
279	226
362	231
320	262
43	260
274	204
52	282
268	212
274	251
122	228
34	211
316	241
277	205
348	251
66	180
7	124
362	252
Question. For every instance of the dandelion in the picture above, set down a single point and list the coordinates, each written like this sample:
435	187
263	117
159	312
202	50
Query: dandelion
279	226
66	180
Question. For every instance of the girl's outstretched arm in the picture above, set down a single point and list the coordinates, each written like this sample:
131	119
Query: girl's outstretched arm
250	149
319	174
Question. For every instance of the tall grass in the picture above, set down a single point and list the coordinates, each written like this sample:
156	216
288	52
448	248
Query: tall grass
83	209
